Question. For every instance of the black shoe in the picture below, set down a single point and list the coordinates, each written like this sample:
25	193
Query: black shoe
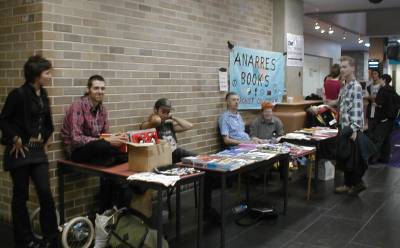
355	190
211	215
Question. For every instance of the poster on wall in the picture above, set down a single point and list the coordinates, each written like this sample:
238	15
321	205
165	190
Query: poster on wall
256	76
295	50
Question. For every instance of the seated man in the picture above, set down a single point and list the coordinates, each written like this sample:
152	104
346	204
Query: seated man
266	126
85	121
231	124
167	126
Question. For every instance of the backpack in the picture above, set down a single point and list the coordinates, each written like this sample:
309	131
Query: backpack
131	231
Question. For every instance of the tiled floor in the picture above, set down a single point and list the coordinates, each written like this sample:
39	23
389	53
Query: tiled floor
370	220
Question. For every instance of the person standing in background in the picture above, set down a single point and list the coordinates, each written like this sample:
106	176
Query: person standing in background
332	86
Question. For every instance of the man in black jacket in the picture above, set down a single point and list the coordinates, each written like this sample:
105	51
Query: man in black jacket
386	112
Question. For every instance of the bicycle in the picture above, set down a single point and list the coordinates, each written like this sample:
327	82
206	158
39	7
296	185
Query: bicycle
76	233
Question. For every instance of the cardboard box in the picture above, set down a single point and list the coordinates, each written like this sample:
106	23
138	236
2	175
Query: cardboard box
146	157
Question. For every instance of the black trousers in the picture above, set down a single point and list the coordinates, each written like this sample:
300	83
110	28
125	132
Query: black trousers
352	178
39	173
102	152
381	138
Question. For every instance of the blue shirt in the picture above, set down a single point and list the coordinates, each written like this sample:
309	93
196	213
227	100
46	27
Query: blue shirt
232	125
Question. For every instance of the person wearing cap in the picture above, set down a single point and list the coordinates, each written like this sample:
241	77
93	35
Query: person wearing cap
266	126
167	126
231	125
84	123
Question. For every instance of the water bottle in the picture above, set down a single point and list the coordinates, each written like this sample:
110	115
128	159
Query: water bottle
239	209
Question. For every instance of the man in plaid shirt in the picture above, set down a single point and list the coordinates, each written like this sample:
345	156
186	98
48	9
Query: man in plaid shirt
351	115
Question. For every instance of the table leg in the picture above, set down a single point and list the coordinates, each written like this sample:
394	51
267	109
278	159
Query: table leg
285	183
223	189
178	212
61	207
200	213
316	168
159	219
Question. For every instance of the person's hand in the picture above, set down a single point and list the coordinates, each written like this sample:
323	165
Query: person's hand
154	120
257	140
18	148
353	136
117	139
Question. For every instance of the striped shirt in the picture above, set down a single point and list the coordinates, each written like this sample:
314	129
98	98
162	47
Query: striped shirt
351	106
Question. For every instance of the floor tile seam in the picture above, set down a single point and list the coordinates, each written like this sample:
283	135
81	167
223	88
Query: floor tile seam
367	245
368	221
302	231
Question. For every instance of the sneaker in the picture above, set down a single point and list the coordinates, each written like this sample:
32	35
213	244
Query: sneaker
342	189
355	190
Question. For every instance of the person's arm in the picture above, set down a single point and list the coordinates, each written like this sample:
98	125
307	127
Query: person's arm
280	131
180	124
9	111
153	121
356	114
230	142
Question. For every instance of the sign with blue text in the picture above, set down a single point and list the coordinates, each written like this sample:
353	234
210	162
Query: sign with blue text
256	76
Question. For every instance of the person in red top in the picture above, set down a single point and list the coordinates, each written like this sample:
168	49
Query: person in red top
84	122
332	86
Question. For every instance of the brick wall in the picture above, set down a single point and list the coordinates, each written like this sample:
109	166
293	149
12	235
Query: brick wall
146	49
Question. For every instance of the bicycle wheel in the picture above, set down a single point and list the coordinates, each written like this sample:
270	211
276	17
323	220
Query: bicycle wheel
78	232
35	222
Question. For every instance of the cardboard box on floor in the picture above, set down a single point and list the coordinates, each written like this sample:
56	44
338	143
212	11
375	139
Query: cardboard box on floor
143	157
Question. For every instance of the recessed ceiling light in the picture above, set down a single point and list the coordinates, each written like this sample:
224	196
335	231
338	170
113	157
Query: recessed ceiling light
344	37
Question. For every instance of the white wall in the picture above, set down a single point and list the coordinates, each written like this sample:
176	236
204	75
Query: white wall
314	71
322	48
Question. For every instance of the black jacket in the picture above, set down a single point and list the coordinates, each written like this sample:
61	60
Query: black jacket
353	156
16	118
385	99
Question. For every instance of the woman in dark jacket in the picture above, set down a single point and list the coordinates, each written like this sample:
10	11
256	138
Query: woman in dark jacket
26	126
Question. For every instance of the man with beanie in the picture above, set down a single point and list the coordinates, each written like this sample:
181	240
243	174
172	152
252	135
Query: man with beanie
266	126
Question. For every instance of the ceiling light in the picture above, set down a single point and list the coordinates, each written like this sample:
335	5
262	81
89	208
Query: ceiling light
331	30
344	36
367	44
322	31
360	40
317	26
398	41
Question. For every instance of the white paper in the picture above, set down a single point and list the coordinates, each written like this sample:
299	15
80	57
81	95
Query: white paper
223	80
294	49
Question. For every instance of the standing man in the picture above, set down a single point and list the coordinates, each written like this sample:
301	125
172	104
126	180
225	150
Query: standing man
386	112
84	122
372	91
351	116
231	125
266	126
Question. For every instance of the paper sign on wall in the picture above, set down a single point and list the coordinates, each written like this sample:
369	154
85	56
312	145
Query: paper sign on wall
295	50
